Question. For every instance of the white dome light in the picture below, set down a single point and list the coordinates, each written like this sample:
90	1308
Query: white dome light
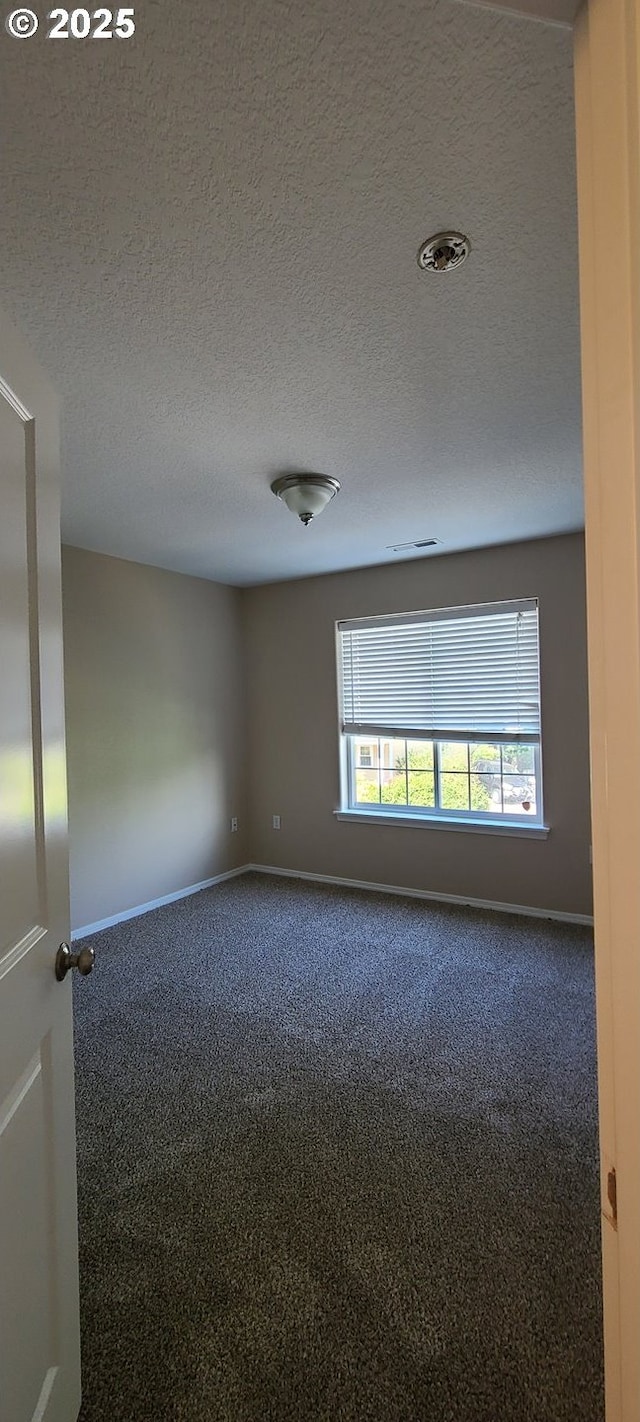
305	494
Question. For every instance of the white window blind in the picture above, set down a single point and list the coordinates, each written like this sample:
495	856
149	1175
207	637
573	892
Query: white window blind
450	674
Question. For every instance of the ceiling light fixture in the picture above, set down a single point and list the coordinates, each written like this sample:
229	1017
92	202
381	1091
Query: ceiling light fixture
305	494
444	252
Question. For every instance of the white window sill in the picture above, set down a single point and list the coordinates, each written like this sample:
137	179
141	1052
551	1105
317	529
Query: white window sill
444	822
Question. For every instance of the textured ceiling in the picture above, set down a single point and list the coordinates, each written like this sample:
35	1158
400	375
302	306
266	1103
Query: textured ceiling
209	234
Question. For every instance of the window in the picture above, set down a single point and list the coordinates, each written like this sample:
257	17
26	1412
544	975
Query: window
440	714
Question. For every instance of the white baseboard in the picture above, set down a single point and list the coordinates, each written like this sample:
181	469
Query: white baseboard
155	903
459	899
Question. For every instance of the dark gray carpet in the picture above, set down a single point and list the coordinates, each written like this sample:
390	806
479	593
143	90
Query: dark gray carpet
337	1160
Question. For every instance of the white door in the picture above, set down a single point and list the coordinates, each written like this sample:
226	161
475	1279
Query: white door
39	1325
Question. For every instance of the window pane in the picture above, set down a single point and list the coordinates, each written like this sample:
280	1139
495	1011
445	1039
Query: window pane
365	752
454	755
518	760
392	753
485	759
367	787
519	794
485	794
420	755
394	787
421	789
454	792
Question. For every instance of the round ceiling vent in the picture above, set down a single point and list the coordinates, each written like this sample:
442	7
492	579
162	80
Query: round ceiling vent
443	252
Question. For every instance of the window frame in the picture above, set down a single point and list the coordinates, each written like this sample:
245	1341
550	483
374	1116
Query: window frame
382	809
435	817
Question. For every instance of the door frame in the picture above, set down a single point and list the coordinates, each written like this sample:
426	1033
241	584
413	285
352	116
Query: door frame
607	90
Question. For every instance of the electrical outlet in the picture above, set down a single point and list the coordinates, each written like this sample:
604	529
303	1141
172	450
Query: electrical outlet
276	822
234	825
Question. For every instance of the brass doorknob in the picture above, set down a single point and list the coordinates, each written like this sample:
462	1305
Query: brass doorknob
65	959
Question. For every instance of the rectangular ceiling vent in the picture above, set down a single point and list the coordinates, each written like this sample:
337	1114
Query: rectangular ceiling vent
421	543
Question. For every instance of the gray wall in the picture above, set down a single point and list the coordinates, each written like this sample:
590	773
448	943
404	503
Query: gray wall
155	732
291	679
